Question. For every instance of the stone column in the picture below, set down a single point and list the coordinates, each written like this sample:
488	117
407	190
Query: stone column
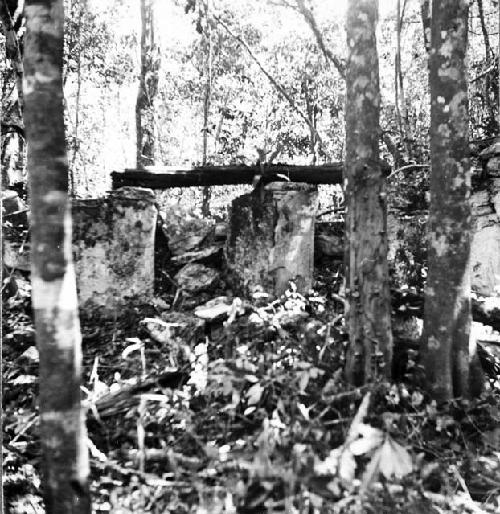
113	245
271	238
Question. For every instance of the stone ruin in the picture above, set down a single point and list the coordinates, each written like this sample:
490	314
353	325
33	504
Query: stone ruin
271	238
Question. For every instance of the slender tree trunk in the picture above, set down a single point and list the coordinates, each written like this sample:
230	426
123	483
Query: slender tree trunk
148	87
206	106
498	71
425	12
484	30
63	434
397	66
369	308
447	315
311	114
401	108
76	141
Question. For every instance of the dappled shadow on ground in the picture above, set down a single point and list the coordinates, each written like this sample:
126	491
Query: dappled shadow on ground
247	412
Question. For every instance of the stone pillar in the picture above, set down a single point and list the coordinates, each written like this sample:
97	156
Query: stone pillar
113	246
271	238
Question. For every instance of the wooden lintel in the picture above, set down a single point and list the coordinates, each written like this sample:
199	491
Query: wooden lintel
164	178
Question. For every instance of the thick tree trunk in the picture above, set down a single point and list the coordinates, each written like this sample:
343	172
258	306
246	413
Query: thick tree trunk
148	86
369	311
447	315
63	435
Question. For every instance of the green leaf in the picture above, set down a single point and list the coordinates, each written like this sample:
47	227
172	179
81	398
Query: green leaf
254	394
371	438
394	459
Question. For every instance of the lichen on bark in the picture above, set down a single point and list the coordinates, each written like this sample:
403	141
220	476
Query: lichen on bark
447	315
368	314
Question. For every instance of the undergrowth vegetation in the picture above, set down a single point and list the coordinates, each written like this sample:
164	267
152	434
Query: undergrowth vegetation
249	415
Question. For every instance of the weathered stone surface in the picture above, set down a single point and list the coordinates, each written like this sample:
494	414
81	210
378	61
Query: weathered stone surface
329	246
210	255
216	309
407	245
15	247
15	254
184	230
271	238
189	328
161	331
197	277
495	196
493	166
220	232
113	245
485	260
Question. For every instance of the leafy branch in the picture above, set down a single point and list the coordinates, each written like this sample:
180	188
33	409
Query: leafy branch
281	90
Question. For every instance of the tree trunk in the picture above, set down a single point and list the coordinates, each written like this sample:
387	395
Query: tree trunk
447	314
148	86
425	12
205	209
400	98
63	434
369	309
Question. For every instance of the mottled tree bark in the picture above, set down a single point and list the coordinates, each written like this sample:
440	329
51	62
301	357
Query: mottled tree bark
368	294
447	310
63	435
148	87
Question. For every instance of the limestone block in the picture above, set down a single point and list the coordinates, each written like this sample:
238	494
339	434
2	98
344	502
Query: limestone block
485	260
271	238
495	195
195	278
480	203
113	246
493	166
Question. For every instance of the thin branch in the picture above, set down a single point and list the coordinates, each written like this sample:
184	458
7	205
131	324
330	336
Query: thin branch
311	21
269	77
488	49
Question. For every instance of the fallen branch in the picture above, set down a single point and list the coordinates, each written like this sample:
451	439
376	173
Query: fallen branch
166	177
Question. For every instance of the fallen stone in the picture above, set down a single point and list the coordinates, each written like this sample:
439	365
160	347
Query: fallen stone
197	277
16	255
180	244
216	309
184	229
31	354
161	331
330	246
11	203
192	327
210	255
220	232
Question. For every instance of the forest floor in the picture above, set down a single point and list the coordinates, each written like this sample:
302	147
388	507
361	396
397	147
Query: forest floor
248	413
